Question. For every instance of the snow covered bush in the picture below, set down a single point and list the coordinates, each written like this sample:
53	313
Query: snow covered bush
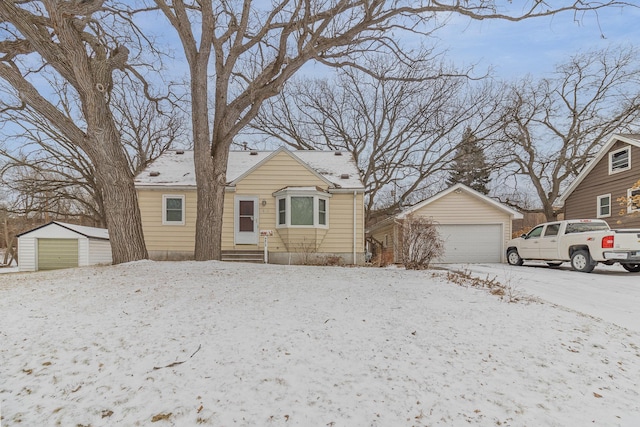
421	243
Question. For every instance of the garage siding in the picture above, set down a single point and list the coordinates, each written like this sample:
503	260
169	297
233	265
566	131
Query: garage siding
471	243
57	253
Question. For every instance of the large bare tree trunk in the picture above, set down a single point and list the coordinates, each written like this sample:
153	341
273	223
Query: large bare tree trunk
115	180
210	203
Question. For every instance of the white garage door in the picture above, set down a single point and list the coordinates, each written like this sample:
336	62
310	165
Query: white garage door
469	243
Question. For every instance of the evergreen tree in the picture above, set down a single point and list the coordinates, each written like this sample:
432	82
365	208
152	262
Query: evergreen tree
470	165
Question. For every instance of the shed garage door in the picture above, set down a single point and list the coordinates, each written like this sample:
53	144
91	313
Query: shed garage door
57	253
468	243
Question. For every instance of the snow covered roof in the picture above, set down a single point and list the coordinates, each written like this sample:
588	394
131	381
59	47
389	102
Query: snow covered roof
90	232
176	168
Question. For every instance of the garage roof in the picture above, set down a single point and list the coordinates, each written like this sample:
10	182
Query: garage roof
458	188
89	232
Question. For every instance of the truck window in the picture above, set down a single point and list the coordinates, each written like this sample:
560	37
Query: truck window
581	227
536	232
552	230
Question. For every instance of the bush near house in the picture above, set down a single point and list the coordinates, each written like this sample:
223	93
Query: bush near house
421	243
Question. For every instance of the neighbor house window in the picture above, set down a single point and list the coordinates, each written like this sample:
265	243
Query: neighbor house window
172	210
604	206
302	207
620	160
633	195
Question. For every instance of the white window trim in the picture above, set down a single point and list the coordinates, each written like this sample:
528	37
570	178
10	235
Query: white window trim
611	154
599	205
164	209
286	194
629	204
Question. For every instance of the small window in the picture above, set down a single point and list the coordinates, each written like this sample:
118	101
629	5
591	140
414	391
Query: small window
620	160
552	230
633	195
173	210
604	206
282	211
322	212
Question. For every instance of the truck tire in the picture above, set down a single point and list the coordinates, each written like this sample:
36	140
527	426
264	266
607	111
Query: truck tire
513	258
581	261
631	268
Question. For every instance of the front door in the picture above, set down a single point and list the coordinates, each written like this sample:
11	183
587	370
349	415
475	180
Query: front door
246	220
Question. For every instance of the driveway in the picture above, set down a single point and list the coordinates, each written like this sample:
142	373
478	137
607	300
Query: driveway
609	292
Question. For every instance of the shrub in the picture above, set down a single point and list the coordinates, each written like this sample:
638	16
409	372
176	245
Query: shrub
421	243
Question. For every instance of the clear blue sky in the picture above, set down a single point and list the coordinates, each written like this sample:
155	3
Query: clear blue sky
535	45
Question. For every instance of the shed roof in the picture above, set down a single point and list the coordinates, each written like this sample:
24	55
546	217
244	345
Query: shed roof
89	232
176	168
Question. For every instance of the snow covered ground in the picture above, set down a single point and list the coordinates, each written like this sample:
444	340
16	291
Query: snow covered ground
223	344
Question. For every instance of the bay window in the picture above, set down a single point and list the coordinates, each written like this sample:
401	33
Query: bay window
302	207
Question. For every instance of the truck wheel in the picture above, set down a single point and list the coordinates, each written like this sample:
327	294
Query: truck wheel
581	261
513	258
632	268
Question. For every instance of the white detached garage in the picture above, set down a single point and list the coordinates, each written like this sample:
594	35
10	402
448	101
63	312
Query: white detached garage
474	227
60	245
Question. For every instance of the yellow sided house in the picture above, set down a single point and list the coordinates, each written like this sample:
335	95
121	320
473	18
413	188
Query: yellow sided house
282	206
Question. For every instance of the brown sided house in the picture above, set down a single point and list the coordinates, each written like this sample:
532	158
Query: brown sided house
286	207
596	191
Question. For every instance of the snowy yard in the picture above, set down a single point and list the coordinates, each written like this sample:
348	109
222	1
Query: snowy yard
223	344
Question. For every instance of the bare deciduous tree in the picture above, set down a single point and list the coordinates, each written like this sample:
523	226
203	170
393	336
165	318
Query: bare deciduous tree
554	126
255	47
72	39
50	175
402	124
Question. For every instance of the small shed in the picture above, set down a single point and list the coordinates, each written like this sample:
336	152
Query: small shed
60	245
474	227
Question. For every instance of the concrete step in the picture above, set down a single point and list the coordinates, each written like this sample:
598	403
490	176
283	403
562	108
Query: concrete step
243	256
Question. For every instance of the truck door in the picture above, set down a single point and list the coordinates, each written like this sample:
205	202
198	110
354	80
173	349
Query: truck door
548	243
530	248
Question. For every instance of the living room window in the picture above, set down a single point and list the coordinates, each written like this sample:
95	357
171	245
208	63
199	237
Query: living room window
172	210
302	207
604	206
620	160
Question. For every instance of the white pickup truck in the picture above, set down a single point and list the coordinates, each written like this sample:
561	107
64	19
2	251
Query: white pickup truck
583	242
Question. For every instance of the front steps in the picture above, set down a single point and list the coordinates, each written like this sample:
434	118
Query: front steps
243	256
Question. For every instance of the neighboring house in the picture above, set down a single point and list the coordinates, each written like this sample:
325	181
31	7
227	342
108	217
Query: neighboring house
608	177
474	227
310	204
60	245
